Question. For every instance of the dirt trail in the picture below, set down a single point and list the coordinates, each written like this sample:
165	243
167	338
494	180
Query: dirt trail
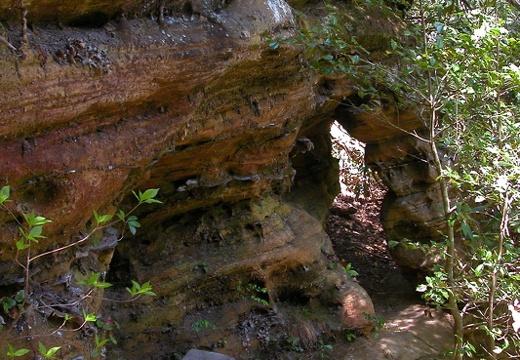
411	330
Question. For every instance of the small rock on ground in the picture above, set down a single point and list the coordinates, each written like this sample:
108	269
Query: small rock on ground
195	354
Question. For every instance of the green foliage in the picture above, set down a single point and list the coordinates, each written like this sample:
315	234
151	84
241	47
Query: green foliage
294	344
137	290
324	349
378	321
254	291
31	231
100	219
12	352
11	302
350	271
148	197
93	281
48	353
436	290
203	324
4	194
99	343
203	266
350	336
89	317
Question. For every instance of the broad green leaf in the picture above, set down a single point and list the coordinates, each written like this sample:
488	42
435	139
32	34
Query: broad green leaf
466	230
89	317
121	215
48	353
145	289
8	303
35	233
147	196
93	281
34	220
100	219
392	243
12	352
4	194
133	224
479	269
22	245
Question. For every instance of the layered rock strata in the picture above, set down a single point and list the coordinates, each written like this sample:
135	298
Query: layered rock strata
101	101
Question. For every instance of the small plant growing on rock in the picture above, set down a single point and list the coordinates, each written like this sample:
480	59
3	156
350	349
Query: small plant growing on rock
23	303
203	324
351	273
254	291
48	353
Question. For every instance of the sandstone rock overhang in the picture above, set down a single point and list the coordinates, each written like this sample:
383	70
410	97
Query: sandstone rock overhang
184	96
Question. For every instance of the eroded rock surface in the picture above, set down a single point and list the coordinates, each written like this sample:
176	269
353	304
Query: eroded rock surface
185	97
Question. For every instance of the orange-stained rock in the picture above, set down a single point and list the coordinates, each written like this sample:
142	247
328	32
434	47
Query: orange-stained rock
357	308
184	96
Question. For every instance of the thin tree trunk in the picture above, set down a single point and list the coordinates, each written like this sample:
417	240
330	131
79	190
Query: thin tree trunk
446	203
450	255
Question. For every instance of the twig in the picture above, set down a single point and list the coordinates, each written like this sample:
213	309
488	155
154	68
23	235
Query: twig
7	43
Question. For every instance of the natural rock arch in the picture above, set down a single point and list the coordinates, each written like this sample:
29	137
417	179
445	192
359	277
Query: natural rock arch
235	136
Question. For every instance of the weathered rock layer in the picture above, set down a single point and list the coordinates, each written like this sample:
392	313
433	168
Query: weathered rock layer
185	96
194	103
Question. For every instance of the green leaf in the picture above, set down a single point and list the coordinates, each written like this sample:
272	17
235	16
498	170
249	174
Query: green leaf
34	220
93	278
48	353
466	230
100	219
333	20
35	233
440	43
102	285
11	351
20	296
93	281
22	245
133	224
274	44
328	58
121	215
89	317
53	351
4	194
147	196
203	324
8	304
145	289
99	342
392	243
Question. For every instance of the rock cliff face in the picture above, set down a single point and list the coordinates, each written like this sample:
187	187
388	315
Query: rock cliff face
184	96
